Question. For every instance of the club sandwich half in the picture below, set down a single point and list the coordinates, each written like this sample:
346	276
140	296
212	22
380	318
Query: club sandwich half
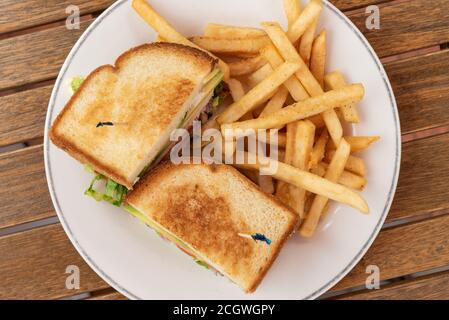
217	216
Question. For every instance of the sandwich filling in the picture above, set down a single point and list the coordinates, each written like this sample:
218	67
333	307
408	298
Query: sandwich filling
165	234
203	106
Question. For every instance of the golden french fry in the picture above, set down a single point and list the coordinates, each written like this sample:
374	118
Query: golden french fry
231	32
236	89
259	75
347	179
292	9
333	173
318	58
245	66
281	141
292	84
259	94
319	149
309	181
317	120
306	18
300	110
302	146
276	102
218	45
283	189
335	80
354	164
306	42
167	31
288	52
360	143
352	180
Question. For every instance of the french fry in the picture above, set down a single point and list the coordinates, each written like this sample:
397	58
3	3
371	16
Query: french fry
231	32
335	80
318	58
292	9
354	164
302	147
167	31
259	94
283	189
245	66
259	75
306	42
218	45
288	52
292	84
347	179
276	102
306	18
310	182
333	173
300	110
352	180
360	143
236	89
317	120
281	141
319	149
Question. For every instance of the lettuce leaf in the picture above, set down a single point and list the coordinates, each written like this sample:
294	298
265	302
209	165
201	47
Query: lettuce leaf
114	192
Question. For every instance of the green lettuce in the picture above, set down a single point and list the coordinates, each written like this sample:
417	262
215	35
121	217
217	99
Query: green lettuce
76	83
114	192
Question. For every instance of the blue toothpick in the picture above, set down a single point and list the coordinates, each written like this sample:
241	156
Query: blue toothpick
256	237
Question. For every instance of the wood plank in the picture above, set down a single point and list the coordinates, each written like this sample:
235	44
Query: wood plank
422	187
33	265
23	115
353	4
23	188
36	56
404	250
432	287
109	296
421	88
16	15
407	25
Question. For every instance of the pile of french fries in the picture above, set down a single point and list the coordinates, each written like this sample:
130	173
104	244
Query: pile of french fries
277	79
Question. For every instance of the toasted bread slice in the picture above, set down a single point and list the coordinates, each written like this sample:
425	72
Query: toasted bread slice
205	207
145	95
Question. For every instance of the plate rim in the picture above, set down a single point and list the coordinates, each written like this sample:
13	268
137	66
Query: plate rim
313	295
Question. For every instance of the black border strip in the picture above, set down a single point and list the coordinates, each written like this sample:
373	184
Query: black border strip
118	287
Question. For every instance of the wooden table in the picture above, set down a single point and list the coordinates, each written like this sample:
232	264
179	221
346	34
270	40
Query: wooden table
412	250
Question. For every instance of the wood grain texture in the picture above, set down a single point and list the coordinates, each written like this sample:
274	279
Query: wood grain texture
354	4
421	88
433	287
407	25
404	250
23	188
16	15
36	56
33	265
109	296
423	180
23	115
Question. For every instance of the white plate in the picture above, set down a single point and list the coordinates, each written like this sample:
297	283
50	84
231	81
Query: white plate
132	258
